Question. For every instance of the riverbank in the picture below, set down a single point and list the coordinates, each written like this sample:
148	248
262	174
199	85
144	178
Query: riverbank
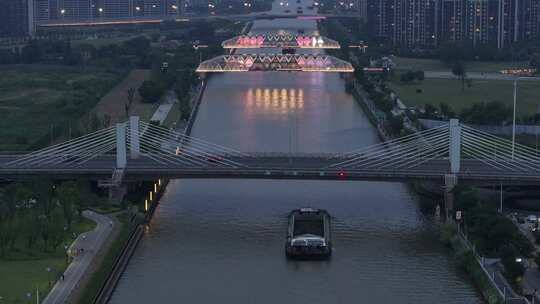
131	234
466	260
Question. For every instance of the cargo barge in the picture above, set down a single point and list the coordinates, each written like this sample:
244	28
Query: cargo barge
308	234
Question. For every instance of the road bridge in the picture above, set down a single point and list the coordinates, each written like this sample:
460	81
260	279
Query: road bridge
137	150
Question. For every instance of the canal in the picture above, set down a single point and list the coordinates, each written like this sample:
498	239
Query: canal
222	241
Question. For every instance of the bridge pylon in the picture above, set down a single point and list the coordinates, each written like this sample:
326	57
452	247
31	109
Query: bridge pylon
454	145
121	155
134	141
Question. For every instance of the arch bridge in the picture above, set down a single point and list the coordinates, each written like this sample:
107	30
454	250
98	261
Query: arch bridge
275	62
280	40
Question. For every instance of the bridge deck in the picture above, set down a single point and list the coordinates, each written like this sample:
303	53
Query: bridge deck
268	166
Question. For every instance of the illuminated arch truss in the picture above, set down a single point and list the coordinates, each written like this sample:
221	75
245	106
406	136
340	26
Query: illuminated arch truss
281	41
275	62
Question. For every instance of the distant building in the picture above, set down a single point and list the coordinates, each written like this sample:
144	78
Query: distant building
407	23
87	10
17	18
424	23
529	19
451	20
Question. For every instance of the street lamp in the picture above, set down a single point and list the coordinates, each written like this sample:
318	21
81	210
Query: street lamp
514	115
49	275
196	46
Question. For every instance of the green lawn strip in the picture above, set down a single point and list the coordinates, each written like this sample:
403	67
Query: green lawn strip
145	111
173	116
467	262
101	274
27	269
436	91
35	97
21	277
403	63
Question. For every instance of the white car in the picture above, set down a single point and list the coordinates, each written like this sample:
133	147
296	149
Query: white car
532	218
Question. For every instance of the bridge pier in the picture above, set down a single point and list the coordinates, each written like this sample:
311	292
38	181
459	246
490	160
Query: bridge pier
450	182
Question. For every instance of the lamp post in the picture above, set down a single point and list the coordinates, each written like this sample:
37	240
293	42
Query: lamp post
49	275
514	116
197	46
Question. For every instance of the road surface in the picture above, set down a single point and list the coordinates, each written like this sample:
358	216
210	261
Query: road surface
476	76
91	242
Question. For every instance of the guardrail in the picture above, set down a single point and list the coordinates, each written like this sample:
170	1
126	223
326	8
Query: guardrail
497	281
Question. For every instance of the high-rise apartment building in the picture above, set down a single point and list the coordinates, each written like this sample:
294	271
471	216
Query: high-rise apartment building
85	10
406	23
451	26
17	18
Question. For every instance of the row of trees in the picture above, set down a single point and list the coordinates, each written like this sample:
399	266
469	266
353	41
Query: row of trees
481	113
56	51
493	233
411	76
39	216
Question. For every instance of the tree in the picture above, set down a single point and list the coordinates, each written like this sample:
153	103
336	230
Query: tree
396	124
130	98
429	111
458	69
68	195
150	91
31	53
534	61
407	77
493	113
446	110
138	46
419	75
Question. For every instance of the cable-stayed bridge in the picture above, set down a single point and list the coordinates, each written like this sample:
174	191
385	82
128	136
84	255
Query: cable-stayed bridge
137	150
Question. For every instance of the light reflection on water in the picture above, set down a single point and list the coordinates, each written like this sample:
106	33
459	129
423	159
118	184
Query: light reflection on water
280	101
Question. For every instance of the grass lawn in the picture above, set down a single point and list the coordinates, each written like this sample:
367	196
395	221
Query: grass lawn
35	97
403	63
29	270
173	116
435	91
113	103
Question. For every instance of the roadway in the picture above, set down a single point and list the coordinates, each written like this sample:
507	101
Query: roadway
152	20
269	166
476	76
91	242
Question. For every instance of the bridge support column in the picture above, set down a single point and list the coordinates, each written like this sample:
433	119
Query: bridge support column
450	182
455	146
134	137
121	157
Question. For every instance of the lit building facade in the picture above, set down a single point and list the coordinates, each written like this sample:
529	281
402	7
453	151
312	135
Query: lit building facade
84	10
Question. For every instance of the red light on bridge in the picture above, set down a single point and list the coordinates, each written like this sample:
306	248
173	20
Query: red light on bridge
342	174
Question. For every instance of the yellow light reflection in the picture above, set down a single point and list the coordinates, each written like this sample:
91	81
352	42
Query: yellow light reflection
276	100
